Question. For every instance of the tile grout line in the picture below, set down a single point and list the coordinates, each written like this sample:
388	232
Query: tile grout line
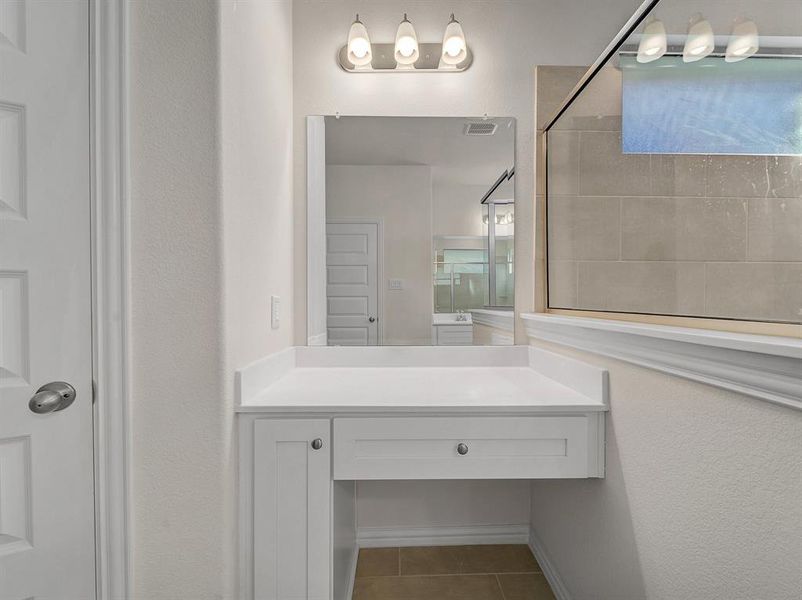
500	588
454	574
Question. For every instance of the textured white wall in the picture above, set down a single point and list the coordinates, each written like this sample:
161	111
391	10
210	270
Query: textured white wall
211	133
701	499
177	379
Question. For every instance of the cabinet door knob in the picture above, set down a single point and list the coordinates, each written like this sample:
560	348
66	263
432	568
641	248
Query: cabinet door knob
317	444
462	449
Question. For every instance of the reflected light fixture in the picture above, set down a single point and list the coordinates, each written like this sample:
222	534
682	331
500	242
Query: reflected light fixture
406	45
744	41
455	50
653	42
699	41
359	50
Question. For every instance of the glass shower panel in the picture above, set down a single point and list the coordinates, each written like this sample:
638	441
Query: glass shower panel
505	255
701	234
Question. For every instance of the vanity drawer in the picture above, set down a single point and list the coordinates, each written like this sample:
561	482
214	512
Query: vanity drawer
463	447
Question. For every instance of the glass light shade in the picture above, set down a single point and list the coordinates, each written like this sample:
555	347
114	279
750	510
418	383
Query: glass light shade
699	41
406	44
744	41
455	50
653	42
359	50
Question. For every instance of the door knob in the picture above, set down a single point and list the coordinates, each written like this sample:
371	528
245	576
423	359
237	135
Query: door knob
372	319
317	444
52	397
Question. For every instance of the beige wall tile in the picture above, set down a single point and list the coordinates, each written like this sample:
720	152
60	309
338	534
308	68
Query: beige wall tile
737	177
678	175
586	228
775	229
756	291
698	229
785	176
552	86
605	171
563	163
562	284
650	287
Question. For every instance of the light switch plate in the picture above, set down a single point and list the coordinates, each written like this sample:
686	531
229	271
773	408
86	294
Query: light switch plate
395	284
275	315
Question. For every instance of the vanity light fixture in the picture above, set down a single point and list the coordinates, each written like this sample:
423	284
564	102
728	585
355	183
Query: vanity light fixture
406	45
454	47
699	41
744	41
358	47
406	54
653	42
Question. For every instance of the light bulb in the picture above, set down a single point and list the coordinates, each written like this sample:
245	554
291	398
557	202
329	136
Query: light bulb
359	50
455	50
744	41
653	42
453	46
406	45
699	41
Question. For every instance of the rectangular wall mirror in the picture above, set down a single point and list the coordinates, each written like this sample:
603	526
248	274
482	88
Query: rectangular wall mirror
410	230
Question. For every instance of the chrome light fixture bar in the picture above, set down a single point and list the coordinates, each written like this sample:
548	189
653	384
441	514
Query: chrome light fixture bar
406	54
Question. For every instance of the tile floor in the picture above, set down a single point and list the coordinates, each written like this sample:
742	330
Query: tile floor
489	572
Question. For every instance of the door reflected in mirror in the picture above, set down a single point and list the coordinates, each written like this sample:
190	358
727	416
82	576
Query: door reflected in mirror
411	231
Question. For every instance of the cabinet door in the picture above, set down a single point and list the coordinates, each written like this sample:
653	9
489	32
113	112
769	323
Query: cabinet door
292	486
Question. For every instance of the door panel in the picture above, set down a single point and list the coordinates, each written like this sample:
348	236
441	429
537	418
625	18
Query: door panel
291	509
352	294
46	462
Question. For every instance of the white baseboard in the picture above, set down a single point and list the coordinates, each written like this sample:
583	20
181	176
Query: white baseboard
378	537
552	576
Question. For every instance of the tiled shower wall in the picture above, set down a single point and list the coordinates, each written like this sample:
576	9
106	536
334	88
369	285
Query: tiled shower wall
711	236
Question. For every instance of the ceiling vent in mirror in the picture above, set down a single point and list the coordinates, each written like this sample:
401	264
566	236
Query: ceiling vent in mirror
481	128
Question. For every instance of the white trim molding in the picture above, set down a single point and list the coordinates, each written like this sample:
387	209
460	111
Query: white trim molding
497	319
766	367
110	300
549	571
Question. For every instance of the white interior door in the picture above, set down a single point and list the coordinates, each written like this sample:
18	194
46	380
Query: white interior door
46	468
352	284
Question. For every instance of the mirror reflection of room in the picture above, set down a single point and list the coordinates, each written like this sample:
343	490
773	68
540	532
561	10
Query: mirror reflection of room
419	230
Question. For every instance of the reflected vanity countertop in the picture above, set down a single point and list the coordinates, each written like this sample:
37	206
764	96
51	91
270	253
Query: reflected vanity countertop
418	379
451	319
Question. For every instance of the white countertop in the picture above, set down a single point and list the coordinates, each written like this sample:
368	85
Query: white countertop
517	379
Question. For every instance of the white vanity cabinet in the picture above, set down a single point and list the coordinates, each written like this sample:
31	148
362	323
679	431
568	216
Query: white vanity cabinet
312	422
291	477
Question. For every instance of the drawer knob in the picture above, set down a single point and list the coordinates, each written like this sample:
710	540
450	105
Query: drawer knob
462	449
317	444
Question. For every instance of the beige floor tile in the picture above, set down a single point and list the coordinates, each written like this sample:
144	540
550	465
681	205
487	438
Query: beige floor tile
525	587
500	558
438	587
374	562
444	560
432	560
